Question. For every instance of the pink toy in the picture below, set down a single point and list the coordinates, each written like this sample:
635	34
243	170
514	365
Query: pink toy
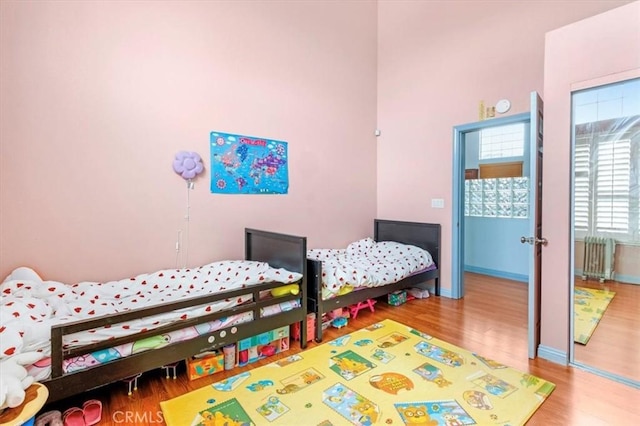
267	350
361	305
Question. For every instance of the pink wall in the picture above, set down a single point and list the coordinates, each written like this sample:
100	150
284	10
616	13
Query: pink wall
97	97
436	61
595	51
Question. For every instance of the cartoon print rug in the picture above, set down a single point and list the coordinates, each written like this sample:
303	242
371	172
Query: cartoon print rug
387	373
589	306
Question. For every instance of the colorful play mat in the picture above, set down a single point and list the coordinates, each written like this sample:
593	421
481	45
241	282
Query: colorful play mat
589	306
387	373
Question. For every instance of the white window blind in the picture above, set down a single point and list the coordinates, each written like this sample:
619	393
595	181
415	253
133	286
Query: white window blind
606	193
606	137
612	186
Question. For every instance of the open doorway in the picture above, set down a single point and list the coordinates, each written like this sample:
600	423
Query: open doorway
532	240
496	197
491	199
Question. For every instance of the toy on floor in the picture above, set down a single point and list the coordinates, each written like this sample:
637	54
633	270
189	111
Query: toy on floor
14	378
339	322
35	397
353	309
267	350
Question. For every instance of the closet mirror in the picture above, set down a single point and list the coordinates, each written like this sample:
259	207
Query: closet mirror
606	228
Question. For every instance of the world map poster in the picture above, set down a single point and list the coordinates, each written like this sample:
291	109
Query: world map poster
248	165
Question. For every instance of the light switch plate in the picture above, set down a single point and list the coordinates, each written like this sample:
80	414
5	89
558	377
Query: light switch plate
437	203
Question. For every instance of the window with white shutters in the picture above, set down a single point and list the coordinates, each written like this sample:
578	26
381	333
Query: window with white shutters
613	172
606	162
606	191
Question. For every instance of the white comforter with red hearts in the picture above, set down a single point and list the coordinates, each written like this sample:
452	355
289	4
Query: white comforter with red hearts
29	306
367	263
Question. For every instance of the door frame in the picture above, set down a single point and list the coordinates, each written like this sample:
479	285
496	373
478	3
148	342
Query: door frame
459	145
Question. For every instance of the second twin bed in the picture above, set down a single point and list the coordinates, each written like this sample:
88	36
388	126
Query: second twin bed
400	255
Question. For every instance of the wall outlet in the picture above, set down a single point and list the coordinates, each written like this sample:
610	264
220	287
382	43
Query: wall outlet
437	203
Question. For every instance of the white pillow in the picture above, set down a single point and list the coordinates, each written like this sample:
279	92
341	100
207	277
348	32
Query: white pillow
24	274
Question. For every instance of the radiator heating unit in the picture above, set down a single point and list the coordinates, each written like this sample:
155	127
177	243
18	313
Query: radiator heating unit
599	254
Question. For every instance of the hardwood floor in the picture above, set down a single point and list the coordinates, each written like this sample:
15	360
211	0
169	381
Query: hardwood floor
490	320
615	343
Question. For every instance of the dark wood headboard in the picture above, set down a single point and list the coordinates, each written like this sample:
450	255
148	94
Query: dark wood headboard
423	235
278	250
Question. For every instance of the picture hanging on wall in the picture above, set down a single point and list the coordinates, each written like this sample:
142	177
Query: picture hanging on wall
248	165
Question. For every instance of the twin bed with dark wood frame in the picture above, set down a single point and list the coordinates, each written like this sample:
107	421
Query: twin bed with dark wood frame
423	235
278	250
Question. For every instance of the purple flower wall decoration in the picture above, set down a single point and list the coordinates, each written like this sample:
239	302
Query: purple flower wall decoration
188	164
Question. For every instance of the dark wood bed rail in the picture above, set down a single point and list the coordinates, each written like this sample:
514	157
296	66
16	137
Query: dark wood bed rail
60	385
58	331
279	250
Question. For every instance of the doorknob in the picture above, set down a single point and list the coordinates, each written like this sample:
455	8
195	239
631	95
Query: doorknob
534	240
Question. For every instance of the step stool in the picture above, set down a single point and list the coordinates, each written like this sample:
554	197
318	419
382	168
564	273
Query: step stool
362	305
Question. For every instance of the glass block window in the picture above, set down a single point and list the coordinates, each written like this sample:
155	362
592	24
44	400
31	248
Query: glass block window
502	197
502	141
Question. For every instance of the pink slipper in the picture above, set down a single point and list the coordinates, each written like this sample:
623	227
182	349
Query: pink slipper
92	412
74	416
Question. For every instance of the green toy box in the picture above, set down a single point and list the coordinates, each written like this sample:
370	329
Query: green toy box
397	298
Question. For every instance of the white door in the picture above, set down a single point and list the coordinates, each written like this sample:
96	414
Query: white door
535	239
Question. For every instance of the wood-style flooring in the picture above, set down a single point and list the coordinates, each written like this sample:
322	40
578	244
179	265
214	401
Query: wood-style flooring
614	345
491	320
